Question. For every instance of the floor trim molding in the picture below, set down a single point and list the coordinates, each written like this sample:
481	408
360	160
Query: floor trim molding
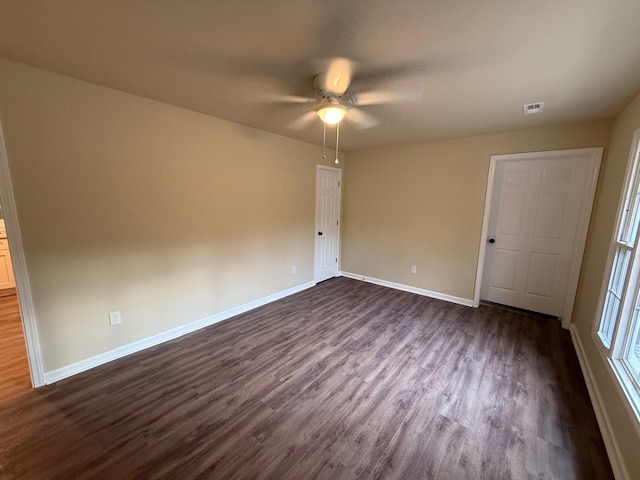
610	443
467	302
89	363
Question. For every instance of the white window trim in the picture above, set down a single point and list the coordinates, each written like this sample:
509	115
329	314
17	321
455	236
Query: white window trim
626	388
613	355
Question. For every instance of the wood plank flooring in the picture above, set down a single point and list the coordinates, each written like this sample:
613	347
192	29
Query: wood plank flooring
14	366
346	380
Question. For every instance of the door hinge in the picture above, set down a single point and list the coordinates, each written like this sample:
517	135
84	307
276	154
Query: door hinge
338	182
337	222
336	259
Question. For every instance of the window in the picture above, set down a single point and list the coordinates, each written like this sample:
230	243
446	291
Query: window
618	325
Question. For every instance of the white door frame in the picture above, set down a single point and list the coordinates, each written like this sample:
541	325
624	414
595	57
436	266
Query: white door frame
315	225
594	159
20	269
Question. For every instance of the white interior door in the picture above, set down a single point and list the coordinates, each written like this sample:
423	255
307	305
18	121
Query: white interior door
327	247
540	207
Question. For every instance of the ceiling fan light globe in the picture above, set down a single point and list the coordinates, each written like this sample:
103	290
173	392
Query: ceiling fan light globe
332	114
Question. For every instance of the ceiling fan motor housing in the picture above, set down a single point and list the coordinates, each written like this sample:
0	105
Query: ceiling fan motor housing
334	87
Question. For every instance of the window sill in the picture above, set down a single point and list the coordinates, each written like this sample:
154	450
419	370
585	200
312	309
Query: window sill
632	396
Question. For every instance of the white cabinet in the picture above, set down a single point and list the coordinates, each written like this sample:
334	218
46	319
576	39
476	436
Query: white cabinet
7	279
6	269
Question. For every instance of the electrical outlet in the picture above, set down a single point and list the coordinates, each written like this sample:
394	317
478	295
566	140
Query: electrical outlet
414	269
293	269
115	318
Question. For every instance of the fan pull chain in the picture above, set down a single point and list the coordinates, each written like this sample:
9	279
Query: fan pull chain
324	141
337	140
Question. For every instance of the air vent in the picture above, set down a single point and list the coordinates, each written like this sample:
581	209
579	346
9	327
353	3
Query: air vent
533	108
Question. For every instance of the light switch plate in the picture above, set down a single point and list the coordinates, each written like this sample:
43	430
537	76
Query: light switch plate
114	318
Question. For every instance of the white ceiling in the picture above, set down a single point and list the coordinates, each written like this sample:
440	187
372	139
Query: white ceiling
476	62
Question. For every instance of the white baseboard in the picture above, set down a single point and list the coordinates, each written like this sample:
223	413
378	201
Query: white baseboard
84	365
620	471
408	288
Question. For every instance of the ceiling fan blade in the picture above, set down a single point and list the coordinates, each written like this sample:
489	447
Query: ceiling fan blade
360	119
279	98
377	97
338	77
301	122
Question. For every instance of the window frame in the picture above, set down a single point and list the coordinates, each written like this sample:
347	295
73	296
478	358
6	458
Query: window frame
615	353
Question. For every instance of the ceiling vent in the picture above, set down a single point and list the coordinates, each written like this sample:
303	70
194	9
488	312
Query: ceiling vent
533	108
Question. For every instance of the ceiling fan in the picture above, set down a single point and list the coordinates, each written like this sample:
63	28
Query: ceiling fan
334	102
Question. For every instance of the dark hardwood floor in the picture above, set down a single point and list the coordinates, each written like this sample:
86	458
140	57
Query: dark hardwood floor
346	380
14	366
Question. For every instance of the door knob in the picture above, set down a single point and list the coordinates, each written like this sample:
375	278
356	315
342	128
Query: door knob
319	233
492	240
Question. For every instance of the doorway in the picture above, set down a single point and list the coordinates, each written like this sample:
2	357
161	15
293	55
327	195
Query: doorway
14	375
537	212
327	243
25	312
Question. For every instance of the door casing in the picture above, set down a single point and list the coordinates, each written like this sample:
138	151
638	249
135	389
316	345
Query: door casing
23	287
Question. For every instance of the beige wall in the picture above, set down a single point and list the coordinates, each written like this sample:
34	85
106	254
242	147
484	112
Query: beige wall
128	204
593	269
423	204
